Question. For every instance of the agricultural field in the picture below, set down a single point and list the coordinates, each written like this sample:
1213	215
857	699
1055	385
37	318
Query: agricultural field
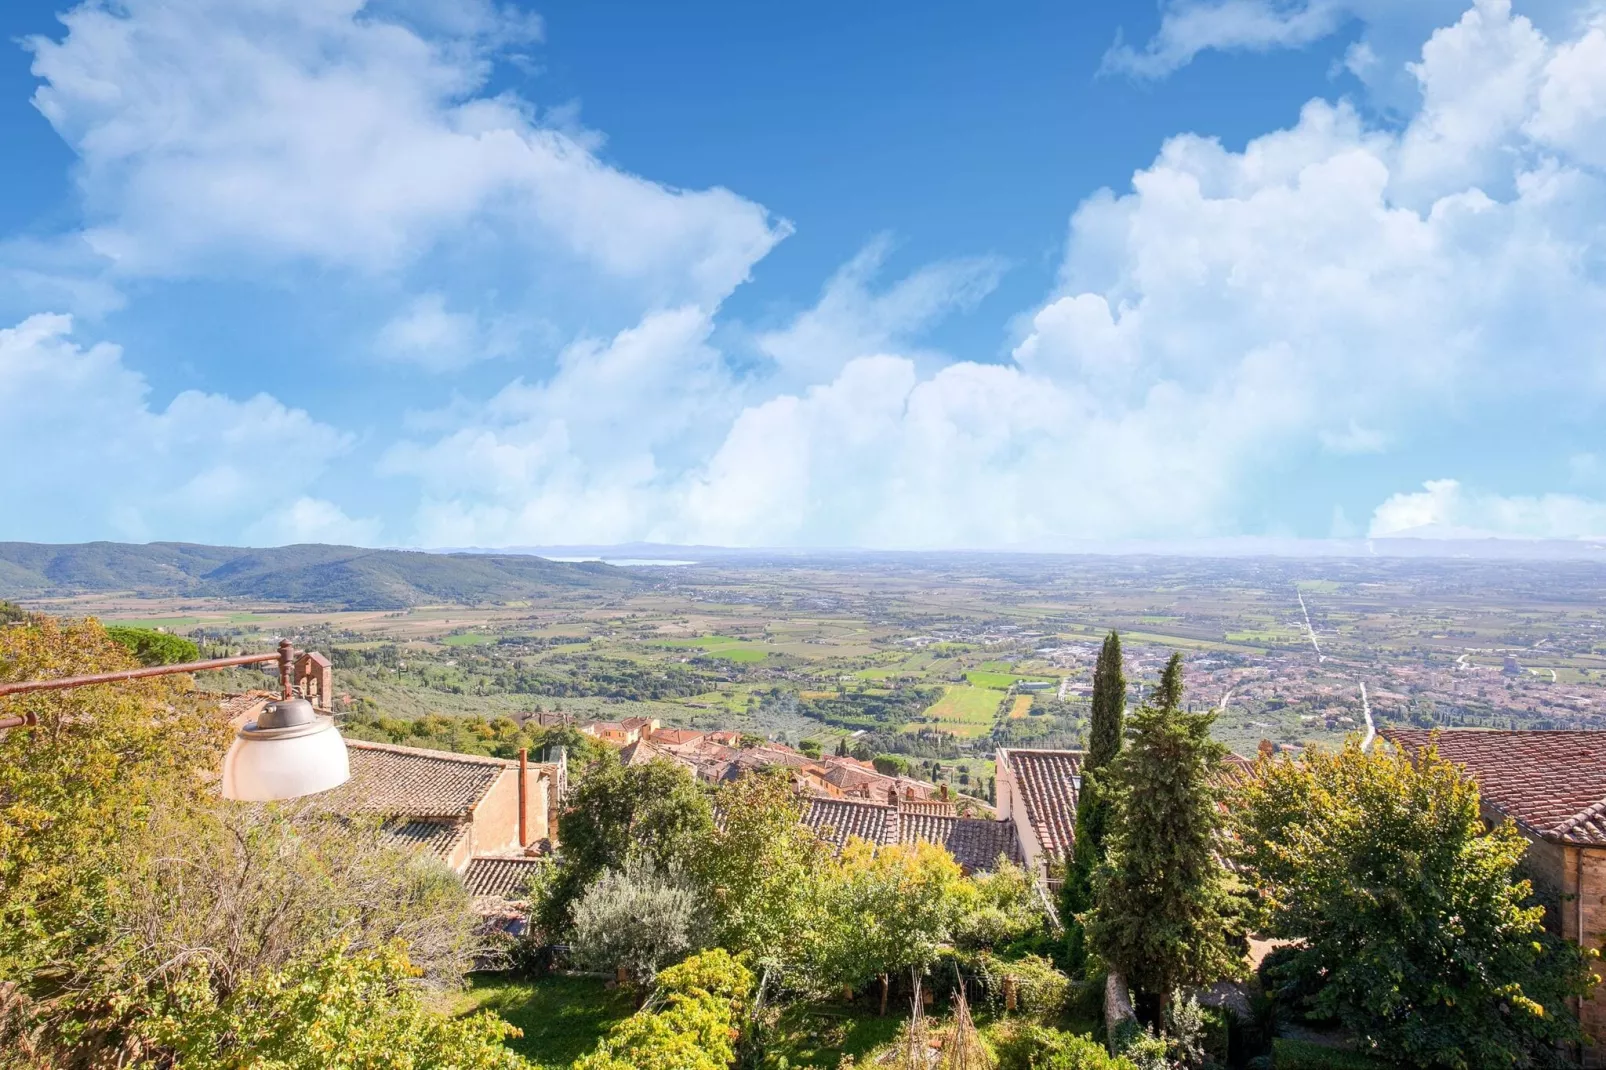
925	656
965	710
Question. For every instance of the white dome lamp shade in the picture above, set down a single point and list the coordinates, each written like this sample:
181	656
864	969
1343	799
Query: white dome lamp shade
289	751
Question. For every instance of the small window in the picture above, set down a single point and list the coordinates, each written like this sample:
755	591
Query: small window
1076	782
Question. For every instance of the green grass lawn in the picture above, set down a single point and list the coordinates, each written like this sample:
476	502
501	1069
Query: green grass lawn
965	710
814	1035
467	639
725	647
562	1017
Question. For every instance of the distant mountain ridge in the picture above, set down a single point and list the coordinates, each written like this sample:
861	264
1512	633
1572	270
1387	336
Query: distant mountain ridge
348	576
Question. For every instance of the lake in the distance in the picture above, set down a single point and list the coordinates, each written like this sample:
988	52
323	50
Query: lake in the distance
627	562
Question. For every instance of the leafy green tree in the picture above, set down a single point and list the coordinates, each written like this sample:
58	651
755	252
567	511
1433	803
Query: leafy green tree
1092	808
11	613
151	647
881	911
1415	927
1163	902
891	764
758	866
617	815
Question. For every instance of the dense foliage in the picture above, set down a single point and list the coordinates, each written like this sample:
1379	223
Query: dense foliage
690	1023
880	911
1416	930
1028	1046
498	737
143	917
1105	736
637	919
1163	902
617	816
870	710
328	1010
759	866
576	675
151	647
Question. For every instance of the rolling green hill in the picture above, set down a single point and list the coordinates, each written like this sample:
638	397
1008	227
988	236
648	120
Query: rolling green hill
347	576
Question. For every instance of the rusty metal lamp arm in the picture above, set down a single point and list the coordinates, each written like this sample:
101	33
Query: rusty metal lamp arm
285	656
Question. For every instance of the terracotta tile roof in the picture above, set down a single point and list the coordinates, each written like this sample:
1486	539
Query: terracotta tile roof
439	838
1048	782
238	709
1553	784
927	806
837	819
504	878
406	781
1235	769
674	737
975	844
844	777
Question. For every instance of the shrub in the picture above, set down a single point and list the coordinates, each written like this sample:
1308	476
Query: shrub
1027	1046
1007	910
1041	989
330	1010
638	919
1141	1046
689	1024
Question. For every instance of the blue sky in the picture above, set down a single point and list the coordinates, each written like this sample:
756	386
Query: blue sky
438	274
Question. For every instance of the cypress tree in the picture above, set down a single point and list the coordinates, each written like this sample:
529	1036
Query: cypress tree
1109	706
1092	809
1163	907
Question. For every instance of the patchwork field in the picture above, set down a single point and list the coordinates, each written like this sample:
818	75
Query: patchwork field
914	655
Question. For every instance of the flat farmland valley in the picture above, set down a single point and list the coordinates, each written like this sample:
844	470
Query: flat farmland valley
947	657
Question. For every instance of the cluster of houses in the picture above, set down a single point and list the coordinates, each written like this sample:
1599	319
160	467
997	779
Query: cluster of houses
493	820
714	757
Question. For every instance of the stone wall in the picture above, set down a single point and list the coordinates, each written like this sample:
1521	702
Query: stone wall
1555	871
496	818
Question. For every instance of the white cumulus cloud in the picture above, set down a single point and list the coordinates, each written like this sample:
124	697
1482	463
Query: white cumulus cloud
1443	508
325	131
1331	289
203	467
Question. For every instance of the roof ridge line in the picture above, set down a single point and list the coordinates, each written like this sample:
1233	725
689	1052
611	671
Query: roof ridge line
1594	809
442	755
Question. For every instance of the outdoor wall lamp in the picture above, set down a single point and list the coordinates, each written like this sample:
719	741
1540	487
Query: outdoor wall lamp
289	751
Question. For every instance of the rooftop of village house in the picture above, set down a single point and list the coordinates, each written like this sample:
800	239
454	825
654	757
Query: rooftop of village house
1551	783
